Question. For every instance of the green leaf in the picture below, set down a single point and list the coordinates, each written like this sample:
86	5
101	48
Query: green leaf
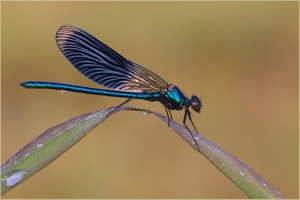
47	147
252	184
56	140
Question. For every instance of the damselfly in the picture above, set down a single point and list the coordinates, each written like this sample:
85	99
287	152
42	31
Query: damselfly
106	67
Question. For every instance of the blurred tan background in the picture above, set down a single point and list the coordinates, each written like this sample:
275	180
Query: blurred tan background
241	58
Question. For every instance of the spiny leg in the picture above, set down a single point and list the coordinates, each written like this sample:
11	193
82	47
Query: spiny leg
169	115
187	112
190	118
122	104
168	111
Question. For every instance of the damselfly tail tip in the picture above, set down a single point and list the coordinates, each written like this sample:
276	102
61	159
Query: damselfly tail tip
23	85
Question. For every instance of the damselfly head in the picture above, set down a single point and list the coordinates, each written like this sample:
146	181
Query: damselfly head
196	103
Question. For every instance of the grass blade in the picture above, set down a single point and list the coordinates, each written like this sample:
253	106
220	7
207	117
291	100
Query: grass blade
55	141
252	184
47	147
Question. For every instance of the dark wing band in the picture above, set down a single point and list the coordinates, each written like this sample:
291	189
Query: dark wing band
103	65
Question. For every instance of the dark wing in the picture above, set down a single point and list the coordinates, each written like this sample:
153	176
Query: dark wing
103	65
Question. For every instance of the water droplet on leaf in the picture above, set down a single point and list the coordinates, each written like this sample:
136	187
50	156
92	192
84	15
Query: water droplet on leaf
39	145
14	177
144	112
242	173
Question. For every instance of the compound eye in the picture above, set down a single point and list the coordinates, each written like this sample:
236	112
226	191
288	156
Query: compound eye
196	103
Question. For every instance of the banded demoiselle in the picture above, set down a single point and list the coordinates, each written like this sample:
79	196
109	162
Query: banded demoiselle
106	67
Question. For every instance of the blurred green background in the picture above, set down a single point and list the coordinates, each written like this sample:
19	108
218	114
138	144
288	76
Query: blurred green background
241	58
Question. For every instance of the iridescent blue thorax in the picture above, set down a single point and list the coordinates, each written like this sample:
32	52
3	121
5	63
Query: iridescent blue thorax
174	98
